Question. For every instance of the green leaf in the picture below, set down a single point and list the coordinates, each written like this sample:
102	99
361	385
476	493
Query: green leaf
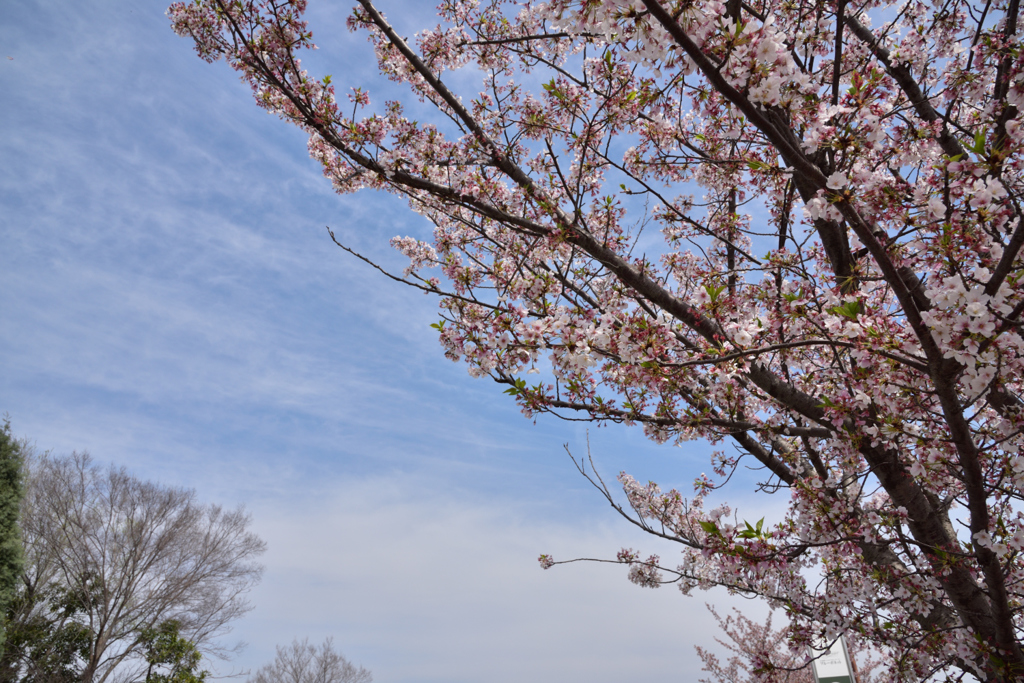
517	388
850	309
979	143
711	528
713	292
439	326
752	531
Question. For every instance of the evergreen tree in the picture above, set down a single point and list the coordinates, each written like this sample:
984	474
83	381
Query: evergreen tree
11	493
177	657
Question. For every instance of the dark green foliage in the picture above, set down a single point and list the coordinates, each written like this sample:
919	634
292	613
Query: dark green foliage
164	648
45	643
11	492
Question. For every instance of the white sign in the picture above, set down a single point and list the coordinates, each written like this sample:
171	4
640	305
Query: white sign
833	665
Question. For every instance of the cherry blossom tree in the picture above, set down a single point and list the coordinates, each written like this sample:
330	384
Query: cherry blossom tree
836	292
763	654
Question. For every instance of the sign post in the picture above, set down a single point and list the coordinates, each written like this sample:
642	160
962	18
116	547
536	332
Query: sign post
833	665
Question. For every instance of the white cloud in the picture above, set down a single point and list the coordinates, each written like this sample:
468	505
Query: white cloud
420	584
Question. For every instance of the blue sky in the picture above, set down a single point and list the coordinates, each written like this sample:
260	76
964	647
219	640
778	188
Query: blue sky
171	302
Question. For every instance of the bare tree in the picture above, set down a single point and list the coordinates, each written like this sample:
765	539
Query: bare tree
129	555
302	662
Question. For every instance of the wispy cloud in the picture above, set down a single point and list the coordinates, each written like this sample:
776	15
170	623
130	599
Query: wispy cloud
171	303
422	584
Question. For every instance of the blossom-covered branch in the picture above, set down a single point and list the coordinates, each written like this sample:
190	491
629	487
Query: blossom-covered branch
837	291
